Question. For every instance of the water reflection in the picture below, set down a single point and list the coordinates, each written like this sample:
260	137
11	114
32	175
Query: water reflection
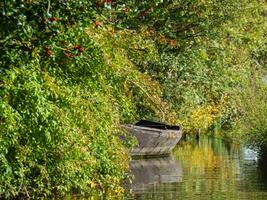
202	169
149	173
262	167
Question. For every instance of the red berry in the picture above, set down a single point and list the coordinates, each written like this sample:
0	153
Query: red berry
53	19
143	13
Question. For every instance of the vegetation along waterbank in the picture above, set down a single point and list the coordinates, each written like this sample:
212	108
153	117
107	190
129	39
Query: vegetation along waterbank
71	72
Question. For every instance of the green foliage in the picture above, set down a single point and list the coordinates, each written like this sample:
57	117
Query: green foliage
251	101
72	71
57	126
205	49
252	126
61	102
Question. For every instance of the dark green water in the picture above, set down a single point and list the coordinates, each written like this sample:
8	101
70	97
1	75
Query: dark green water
206	169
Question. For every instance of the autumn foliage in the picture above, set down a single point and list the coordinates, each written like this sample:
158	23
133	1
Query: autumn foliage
71	72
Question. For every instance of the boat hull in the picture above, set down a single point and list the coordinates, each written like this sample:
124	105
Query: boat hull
152	141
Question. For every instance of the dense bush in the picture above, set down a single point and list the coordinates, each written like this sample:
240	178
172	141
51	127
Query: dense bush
251	101
62	98
204	51
72	71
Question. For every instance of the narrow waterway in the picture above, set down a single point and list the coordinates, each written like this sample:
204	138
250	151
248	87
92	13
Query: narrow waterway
208	168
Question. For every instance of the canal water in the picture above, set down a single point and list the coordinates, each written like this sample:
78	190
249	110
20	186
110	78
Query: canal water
207	168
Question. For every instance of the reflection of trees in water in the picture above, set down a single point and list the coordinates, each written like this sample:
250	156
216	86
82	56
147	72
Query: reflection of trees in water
212	169
208	165
254	173
262	166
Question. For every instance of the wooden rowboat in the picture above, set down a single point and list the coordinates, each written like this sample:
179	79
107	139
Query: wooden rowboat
154	139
